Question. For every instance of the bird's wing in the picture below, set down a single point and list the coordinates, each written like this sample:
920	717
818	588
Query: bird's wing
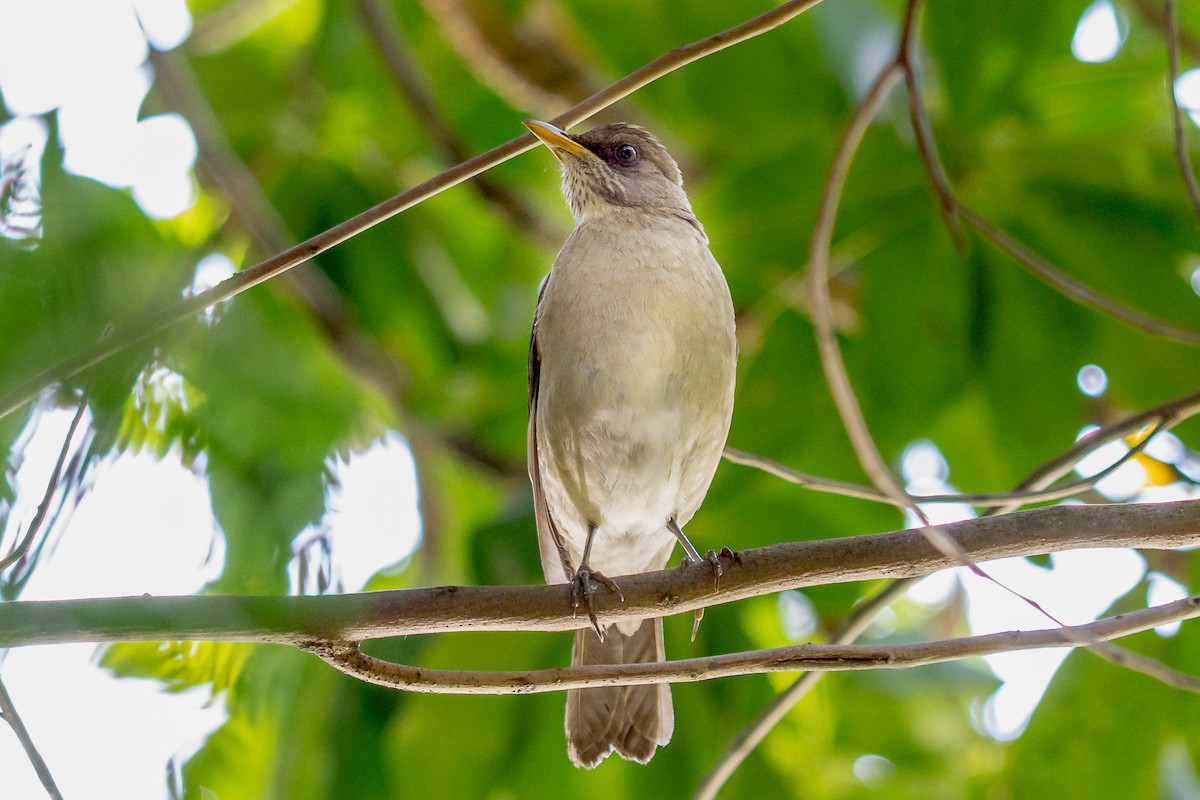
556	563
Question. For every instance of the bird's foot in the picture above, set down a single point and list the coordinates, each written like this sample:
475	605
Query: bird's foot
583	588
713	559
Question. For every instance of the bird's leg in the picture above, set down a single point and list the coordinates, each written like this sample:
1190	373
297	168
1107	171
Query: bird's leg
581	585
692	556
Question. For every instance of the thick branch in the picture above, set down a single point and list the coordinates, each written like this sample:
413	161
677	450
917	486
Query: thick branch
294	620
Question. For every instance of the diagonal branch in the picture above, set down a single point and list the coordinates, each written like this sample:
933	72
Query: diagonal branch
8	712
1163	417
43	510
793	565
820	305
162	318
1072	288
1037	488
851	414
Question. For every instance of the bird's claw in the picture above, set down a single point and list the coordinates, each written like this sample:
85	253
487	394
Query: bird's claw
713	559
582	589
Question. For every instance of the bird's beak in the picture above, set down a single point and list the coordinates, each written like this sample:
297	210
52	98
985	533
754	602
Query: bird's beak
556	139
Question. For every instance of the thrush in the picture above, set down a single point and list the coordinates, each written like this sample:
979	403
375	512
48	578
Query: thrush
631	379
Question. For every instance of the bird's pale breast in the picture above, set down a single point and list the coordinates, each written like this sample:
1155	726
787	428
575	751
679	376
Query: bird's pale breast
636	391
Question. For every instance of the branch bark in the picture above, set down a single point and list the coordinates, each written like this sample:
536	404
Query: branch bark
793	565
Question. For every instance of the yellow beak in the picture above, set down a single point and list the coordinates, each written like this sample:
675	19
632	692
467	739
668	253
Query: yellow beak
556	139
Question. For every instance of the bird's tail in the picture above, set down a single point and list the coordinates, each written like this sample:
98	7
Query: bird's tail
632	720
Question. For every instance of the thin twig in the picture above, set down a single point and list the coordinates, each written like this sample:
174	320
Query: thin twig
1007	500
347	657
820	305
1181	149
8	712
791	565
43	509
522	74
821	308
159	319
926	143
1073	288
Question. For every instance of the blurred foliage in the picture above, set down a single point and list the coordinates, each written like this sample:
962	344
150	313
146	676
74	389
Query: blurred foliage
961	348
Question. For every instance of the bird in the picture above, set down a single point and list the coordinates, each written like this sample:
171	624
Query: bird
632	363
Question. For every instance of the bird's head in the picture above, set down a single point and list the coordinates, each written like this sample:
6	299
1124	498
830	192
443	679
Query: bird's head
614	166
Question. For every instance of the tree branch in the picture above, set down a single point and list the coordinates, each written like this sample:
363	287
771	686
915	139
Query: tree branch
177	83
813	658
1038	487
352	617
8	712
21	547
1074	289
954	210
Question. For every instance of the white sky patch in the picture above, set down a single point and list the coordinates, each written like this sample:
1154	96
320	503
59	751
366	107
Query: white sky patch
87	58
147	527
39	445
926	472
165	23
51	45
22	144
161	178
1160	591
798	615
1125	482
873	770
100	737
372	515
1080	585
1098	34
1187	95
1166	447
211	270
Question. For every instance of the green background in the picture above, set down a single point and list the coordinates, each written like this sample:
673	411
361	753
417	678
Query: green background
962	348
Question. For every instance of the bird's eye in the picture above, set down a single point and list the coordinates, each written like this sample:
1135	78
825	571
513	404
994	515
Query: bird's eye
627	154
